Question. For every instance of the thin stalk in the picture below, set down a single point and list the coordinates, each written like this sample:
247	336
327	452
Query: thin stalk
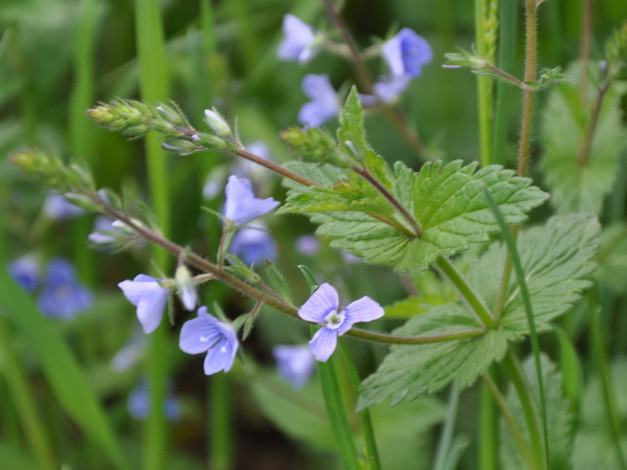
23	402
154	87
372	454
508	19
507	76
274	167
599	346
488	431
511	422
499	304
394	114
531	44
336	411
584	149
446	436
260	296
484	86
221	432
467	292
529	407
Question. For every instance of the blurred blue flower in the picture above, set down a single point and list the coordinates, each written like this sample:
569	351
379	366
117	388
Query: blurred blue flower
56	207
299	42
207	333
406	53
25	271
149	297
254	244
62	296
387	90
138	404
323	308
324	104
129	354
294	363
241	204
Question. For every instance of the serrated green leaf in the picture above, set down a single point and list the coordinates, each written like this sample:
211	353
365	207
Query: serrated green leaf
559	415
276	280
612	258
579	187
313	143
351	134
556	259
446	200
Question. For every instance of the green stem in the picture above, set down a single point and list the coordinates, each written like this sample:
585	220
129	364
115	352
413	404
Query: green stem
529	407
484	86
584	149
23	402
599	346
487	431
446	436
372	454
221	432
336	411
467	292
531	44
511	422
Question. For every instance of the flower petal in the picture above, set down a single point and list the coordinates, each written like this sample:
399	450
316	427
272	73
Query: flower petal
294	363
241	204
323	344
150	310
139	287
199	334
361	310
298	38
222	355
320	304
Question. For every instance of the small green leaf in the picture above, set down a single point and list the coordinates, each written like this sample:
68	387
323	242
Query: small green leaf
276	280
313	143
578	186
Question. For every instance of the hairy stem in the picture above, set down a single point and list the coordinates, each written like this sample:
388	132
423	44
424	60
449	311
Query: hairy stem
274	167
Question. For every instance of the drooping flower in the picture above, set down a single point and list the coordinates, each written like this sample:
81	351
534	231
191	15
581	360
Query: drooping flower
323	308
299	43
241	204
206	333
294	363
149	297
406	53
325	102
25	271
62	295
254	244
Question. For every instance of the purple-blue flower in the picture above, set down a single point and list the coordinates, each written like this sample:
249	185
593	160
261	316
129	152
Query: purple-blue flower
56	207
138	403
308	245
206	333
406	53
299	41
324	104
62	296
241	204
323	308
25	271
149	297
254	244
294	363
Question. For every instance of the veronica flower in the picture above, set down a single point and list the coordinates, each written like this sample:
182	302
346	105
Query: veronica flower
62	295
25	271
241	204
208	334
406	53
149	297
294	363
254	244
56	207
299	42
323	308
324	103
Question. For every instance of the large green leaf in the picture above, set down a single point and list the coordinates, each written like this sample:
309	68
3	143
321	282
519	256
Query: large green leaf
577	187
446	200
556	258
559	415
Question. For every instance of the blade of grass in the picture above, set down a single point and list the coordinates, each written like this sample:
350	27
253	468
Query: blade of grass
154	87
446	437
221	437
487	431
524	292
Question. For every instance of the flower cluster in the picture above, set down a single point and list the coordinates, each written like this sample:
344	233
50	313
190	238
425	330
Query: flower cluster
404	54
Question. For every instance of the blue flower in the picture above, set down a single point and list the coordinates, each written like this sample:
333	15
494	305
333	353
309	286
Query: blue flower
138	403
241	204
207	333
299	42
254	244
56	207
406	53
149	297
324	103
294	363
62	296
323	308
25	271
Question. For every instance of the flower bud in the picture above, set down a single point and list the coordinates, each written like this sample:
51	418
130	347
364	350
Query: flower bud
217	123
185	287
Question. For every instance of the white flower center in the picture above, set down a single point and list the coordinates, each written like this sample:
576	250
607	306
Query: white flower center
223	349
204	339
334	320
